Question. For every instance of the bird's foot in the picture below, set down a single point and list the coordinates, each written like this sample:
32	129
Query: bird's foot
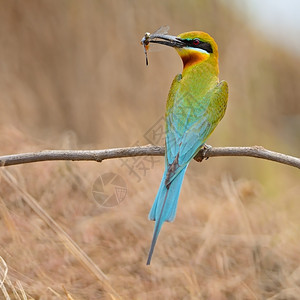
202	153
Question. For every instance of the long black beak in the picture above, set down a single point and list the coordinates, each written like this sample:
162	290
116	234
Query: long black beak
164	39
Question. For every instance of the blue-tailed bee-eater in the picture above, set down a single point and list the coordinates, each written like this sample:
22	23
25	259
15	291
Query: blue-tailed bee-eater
196	104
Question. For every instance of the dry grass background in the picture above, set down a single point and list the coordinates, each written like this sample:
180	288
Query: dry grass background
73	76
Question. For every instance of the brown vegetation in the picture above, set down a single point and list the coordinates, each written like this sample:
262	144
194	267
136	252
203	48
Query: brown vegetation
73	76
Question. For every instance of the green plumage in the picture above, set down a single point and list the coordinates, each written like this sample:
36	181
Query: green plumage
196	104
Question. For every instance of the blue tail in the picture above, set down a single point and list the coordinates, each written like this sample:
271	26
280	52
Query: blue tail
165	205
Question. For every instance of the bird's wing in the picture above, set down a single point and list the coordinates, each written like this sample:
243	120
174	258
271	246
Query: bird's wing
190	121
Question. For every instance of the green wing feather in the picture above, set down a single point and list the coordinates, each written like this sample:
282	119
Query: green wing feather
191	120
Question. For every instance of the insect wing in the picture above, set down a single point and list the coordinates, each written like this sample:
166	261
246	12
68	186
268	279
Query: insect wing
162	30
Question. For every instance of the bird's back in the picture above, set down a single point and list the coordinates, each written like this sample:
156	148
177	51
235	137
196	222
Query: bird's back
196	103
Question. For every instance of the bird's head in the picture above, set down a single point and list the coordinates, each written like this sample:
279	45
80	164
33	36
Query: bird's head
193	47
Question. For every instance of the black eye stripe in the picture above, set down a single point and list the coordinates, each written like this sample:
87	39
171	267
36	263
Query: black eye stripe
202	45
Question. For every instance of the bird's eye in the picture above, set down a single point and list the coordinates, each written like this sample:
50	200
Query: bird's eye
196	42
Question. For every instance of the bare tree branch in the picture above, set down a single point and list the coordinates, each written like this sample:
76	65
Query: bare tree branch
100	155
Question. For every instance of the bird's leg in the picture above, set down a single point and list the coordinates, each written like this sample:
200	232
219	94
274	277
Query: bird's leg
202	153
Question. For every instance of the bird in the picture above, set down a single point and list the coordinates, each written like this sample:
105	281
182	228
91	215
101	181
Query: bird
196	103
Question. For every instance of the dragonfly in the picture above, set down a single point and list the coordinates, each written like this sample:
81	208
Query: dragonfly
161	32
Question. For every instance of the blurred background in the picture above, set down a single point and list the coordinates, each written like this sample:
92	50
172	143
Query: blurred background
73	76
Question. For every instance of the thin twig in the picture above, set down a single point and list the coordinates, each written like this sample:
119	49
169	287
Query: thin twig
100	155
